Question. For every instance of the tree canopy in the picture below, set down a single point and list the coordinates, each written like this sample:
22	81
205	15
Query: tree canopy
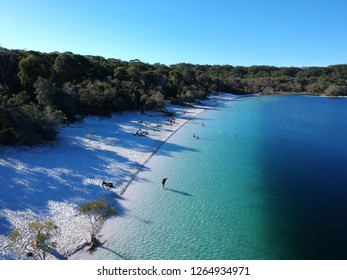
39	90
97	212
35	239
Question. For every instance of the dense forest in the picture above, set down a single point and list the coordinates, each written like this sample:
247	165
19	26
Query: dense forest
40	91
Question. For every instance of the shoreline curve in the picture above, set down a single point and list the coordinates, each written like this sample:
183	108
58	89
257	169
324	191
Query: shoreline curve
163	141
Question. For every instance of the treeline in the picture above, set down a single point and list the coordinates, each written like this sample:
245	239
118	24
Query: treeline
40	91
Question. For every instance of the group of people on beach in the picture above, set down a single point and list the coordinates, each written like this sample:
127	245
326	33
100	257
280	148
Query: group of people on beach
171	121
140	132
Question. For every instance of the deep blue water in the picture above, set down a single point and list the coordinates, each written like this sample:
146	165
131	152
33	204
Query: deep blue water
304	155
265	180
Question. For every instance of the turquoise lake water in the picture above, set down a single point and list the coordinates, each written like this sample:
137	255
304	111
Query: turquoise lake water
267	179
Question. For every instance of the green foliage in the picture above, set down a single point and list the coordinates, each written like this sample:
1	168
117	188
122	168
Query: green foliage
98	97
97	212
29	68
43	233
100	209
155	101
45	92
36	237
316	87
65	83
9	81
69	67
15	234
26	124
335	90
121	73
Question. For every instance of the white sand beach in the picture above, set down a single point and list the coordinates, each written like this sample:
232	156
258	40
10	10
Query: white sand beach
51	181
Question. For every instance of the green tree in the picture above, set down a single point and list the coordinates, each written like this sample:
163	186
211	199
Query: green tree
97	212
121	73
26	124
73	83
316	87
45	92
155	101
98	98
29	70
335	90
8	70
35	239
69	67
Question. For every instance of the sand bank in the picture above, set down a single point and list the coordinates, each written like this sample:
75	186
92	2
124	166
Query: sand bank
137	196
51	181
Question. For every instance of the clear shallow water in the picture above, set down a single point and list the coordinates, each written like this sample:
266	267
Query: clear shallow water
265	180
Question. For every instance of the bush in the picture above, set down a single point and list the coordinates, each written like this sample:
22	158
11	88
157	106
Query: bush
36	239
97	212
335	90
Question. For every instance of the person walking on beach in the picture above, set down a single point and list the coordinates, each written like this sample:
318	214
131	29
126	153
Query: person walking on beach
163	182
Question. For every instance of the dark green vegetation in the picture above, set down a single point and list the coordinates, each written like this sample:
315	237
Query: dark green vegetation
40	91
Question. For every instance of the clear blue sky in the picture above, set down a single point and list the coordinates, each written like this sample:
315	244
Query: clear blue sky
235	32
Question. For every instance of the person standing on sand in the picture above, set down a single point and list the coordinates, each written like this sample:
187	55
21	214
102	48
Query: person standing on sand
163	182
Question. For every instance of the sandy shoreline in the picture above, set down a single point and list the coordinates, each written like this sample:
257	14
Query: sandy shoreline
134	189
188	116
50	181
126	192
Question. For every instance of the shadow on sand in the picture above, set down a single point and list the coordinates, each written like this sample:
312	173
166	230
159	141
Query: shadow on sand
88	244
